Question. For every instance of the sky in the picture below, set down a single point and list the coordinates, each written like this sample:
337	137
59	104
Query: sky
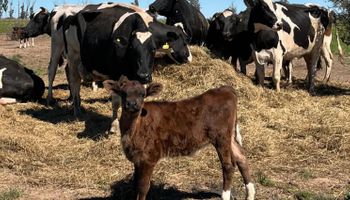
208	7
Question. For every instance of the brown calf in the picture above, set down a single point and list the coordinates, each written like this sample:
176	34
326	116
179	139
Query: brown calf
153	130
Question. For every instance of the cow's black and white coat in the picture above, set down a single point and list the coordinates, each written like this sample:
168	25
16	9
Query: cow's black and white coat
108	43
181	11
108	53
18	83
301	36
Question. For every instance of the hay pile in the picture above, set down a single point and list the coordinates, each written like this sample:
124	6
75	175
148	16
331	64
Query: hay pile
295	142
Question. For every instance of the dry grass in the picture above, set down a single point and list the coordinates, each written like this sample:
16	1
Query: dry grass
295	142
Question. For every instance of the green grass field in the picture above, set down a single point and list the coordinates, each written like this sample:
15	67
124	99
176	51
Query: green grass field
7	24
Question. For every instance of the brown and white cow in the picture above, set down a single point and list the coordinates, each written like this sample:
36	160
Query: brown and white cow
154	130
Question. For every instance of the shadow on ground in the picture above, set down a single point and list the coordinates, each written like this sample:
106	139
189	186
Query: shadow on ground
96	125
322	89
123	190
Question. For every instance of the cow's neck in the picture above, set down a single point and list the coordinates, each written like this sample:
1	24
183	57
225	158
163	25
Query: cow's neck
129	122
47	25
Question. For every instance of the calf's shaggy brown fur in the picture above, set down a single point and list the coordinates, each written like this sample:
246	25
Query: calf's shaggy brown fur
152	130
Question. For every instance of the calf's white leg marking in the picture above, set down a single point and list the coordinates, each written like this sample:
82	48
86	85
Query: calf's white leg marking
226	195
250	191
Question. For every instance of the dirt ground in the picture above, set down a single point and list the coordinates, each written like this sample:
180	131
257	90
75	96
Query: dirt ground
298	145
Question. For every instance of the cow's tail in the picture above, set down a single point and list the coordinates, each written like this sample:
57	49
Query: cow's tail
340	49
238	136
64	28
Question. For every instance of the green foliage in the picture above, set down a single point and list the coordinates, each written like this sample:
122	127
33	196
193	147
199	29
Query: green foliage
7	24
16	58
263	180
11	194
306	195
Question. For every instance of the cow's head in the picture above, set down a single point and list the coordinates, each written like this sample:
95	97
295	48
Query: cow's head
226	24
140	55
132	93
176	45
263	16
162	7
38	23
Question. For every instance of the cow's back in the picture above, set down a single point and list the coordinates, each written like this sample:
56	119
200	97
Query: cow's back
15	82
182	124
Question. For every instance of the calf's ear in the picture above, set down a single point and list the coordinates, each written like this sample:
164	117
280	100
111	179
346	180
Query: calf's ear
153	89
111	85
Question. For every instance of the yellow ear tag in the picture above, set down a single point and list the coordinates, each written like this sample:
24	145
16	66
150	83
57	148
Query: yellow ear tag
166	46
118	40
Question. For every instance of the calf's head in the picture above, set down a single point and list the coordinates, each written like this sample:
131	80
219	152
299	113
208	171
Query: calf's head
37	23
132	93
263	16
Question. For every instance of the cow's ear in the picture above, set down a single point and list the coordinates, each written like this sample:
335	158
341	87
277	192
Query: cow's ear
44	10
153	89
111	85
172	36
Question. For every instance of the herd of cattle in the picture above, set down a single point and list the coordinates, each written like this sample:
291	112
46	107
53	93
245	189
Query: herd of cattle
116	41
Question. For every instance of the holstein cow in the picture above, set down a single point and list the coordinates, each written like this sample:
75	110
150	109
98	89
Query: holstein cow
107	44
18	83
302	35
81	42
44	22
154	130
180	11
18	33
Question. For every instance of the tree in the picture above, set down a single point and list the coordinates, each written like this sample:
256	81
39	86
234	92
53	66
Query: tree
195	3
233	8
3	7
343	19
136	2
11	10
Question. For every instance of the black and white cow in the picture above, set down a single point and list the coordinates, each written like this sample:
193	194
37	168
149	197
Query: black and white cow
19	33
44	22
18	83
301	35
108	43
113	54
180	11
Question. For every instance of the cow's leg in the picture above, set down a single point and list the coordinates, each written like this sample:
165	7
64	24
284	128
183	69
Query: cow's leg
74	80
311	62
116	101
260	74
20	43
224	151
288	68
94	86
277	66
143	182
32	39
56	52
238	158
243	65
